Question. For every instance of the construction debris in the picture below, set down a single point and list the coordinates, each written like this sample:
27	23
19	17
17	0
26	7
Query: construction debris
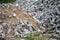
15	22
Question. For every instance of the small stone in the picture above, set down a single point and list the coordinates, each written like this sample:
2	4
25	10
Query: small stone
26	31
30	14
1	26
14	14
39	30
17	4
3	35
22	23
10	16
18	27
9	30
36	0
0	30
29	27
16	33
25	21
4	24
13	23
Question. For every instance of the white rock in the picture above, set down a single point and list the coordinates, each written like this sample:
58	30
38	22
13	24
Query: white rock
14	14
3	35
29	27
18	26
30	14
36	19
26	31
13	23
25	21
22	22
16	33
10	16
9	30
29	24
39	30
17	5
36	0
4	24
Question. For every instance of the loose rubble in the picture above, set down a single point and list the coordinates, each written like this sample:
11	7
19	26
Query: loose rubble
45	12
16	23
46	15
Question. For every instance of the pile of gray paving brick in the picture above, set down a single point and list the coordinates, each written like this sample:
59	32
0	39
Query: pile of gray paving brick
46	11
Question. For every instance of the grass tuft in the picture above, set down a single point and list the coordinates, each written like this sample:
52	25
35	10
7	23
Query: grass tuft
7	1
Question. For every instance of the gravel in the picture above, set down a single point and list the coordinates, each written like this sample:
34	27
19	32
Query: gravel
47	12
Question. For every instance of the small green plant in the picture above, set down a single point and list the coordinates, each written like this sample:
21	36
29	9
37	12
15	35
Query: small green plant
17	38
33	37
40	37
30	37
7	1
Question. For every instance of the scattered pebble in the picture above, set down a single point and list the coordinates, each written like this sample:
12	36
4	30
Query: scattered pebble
14	14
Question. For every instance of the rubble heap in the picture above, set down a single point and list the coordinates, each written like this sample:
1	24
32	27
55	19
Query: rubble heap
15	22
45	12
